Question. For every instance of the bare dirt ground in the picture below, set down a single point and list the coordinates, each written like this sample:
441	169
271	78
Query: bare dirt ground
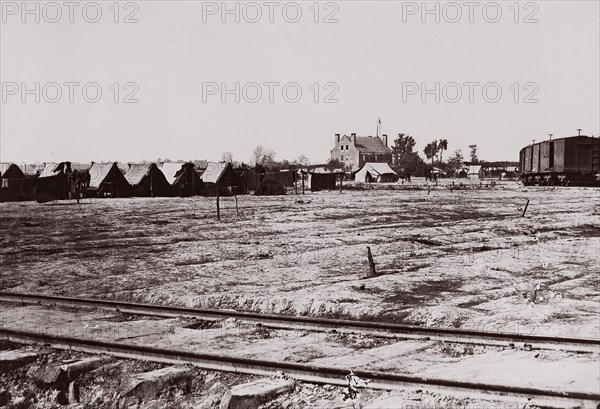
461	258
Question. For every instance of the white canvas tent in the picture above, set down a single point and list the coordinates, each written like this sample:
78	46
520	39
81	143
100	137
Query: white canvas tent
376	172
475	172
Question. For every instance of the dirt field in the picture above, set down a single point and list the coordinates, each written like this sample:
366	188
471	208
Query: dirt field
461	258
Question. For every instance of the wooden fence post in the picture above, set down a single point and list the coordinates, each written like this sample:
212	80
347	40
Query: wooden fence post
218	209
372	271
526	206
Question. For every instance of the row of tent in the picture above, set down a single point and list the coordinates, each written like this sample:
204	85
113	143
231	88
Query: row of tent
69	180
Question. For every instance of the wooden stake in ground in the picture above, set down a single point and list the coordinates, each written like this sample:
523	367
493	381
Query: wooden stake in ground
372	271
218	209
524	210
236	207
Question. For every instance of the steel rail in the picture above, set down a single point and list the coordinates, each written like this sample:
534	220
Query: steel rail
274	321
309	373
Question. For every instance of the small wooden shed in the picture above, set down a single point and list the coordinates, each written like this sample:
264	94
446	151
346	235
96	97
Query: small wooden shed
14	185
182	177
147	180
107	180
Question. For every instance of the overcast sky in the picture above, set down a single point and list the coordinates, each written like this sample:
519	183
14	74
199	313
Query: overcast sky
374	61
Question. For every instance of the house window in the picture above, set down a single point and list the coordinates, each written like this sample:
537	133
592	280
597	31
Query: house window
342	157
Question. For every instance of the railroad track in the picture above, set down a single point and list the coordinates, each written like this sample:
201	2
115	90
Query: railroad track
311	373
272	321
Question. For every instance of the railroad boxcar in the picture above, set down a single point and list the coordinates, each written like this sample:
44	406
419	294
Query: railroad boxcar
570	161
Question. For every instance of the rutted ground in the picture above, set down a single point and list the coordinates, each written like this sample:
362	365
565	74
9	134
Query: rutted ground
462	258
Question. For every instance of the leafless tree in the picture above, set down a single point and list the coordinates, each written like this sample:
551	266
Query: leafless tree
262	156
227	157
302	160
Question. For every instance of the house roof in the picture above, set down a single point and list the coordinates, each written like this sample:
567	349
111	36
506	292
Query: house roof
171	170
370	144
214	171
98	173
137	171
12	170
377	169
124	167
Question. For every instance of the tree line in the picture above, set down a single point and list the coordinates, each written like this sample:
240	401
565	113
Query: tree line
407	161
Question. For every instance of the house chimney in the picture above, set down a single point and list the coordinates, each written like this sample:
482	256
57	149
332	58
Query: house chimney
353	139
385	140
337	138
